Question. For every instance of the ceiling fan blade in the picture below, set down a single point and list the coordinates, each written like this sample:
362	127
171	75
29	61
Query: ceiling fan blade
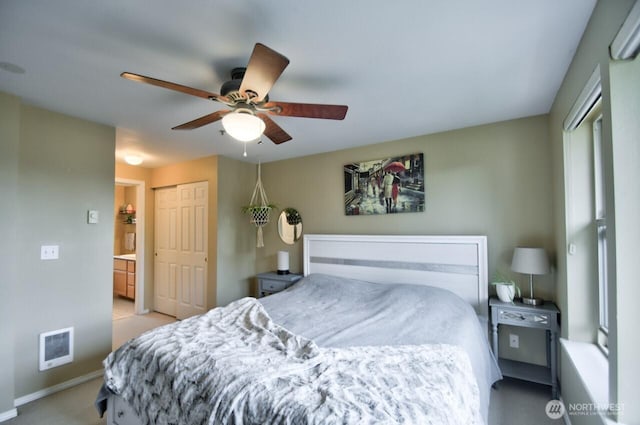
273	131
173	86
202	121
264	68
308	110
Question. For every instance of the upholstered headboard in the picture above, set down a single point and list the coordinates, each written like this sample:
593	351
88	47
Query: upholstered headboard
456	263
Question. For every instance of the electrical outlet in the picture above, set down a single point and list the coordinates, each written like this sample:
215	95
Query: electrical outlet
514	341
49	252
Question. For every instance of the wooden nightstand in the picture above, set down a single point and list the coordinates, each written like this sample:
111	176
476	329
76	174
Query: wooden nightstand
272	282
544	317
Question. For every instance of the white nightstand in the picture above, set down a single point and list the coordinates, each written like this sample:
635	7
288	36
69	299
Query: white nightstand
272	282
544	317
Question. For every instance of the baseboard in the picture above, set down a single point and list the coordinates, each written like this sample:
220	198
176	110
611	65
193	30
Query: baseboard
9	414
59	387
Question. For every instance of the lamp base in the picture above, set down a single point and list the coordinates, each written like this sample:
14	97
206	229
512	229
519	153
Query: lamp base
532	301
283	271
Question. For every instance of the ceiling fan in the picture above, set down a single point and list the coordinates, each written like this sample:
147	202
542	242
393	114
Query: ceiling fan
247	97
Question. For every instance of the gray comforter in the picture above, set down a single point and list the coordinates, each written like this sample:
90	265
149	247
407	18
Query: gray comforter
325	351
338	312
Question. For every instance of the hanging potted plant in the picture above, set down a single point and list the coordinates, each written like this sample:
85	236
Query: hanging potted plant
259	213
259	209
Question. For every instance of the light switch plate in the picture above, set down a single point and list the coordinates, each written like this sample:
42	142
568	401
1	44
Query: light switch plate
49	252
93	217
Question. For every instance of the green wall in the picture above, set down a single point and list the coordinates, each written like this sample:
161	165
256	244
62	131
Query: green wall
9	151
236	236
492	180
620	135
65	166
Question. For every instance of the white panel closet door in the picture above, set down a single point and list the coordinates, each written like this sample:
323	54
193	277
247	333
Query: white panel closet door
166	251
192	249
181	246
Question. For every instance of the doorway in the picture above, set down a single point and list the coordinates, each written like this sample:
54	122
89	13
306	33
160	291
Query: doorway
133	238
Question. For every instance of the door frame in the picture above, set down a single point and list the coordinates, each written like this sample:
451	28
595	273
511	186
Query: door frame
140	240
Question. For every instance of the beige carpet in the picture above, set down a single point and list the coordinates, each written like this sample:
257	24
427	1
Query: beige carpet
122	307
73	406
132	326
515	402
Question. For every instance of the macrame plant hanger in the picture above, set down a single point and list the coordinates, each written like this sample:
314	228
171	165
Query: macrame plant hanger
259	209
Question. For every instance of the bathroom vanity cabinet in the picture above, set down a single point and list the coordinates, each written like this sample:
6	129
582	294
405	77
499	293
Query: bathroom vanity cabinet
124	278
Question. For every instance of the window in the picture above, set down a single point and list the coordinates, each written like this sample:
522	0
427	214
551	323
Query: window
601	233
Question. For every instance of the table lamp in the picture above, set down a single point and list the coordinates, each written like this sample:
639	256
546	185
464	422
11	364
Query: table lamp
283	262
530	261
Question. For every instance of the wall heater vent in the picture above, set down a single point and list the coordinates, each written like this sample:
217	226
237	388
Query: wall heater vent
56	348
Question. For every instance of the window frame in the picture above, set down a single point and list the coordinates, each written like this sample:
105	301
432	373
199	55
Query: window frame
600	222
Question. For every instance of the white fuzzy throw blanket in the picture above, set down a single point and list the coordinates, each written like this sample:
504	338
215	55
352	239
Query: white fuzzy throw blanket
233	365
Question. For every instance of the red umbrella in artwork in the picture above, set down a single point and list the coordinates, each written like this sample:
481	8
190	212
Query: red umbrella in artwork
395	167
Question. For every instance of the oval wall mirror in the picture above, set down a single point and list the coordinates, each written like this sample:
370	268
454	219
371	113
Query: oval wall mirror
290	226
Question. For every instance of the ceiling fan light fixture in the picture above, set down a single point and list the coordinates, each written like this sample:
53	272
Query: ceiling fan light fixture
243	125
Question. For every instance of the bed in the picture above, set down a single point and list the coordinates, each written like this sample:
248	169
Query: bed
382	329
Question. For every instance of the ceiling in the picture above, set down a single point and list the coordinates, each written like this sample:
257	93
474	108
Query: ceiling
404	68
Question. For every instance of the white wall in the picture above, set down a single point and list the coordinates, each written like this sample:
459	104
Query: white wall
625	287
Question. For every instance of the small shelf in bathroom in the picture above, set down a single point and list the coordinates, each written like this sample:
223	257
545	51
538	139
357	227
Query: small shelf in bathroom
131	219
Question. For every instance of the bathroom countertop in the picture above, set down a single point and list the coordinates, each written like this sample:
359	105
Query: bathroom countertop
126	257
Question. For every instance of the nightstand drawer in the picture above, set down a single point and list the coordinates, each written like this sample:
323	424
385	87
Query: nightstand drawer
271	282
523	318
267	285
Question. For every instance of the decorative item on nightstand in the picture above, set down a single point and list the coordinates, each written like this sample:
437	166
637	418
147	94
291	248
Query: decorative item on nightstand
530	261
506	290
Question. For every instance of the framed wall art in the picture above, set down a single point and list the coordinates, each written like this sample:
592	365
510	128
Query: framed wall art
385	186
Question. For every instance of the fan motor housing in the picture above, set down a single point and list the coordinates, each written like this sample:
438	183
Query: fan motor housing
231	88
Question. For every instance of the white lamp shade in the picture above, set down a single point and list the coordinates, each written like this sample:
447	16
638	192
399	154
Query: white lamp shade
530	261
283	261
243	126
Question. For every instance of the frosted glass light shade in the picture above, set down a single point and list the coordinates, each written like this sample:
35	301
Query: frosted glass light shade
133	159
530	261
243	126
